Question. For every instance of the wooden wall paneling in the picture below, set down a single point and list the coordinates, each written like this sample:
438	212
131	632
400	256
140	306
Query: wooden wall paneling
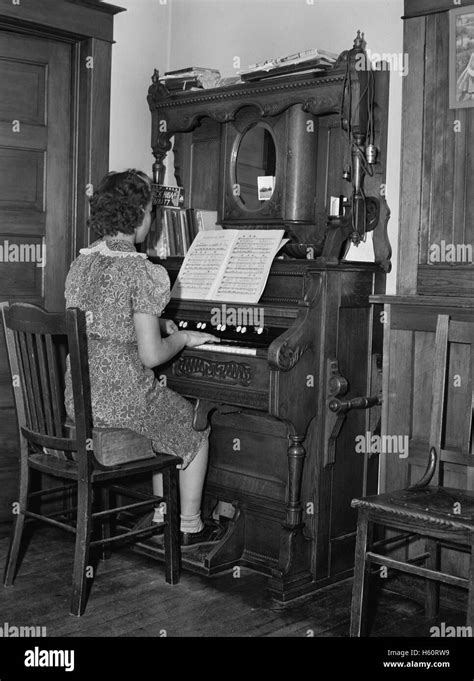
445	280
461	155
411	162
438	135
468	237
446	203
443	147
429	137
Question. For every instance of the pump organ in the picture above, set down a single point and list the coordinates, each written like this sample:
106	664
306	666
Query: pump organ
279	462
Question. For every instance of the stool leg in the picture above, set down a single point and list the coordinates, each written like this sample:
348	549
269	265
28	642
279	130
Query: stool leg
171	538
470	592
432	586
81	553
18	526
360	584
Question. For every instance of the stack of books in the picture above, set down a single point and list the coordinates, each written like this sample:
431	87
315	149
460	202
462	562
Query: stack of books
190	78
175	229
313	60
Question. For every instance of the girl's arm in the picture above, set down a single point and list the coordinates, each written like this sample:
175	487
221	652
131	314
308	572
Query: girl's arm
153	349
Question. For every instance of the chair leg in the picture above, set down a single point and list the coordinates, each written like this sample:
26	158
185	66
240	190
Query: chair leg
360	584
18	527
470	593
105	552
431	585
81	552
171	538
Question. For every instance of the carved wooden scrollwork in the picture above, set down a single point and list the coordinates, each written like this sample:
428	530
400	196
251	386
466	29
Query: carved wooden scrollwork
234	373
289	355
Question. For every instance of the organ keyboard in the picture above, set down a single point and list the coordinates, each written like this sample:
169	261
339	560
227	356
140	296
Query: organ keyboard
228	349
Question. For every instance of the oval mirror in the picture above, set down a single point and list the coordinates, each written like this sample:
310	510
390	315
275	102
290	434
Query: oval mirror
256	158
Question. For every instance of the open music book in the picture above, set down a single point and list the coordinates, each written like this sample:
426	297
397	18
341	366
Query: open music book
231	265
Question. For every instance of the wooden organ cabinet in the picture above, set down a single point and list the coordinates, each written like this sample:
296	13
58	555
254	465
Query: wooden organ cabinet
282	463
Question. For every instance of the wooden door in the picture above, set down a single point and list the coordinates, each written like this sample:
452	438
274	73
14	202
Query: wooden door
35	198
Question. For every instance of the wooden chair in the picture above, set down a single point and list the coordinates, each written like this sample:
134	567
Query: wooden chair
443	516
35	339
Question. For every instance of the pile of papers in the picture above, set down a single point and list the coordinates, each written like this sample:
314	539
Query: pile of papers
308	60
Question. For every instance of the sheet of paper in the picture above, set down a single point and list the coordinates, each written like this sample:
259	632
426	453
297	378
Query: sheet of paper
248	265
203	265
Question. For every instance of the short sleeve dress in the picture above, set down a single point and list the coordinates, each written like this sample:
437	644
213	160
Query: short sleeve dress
110	281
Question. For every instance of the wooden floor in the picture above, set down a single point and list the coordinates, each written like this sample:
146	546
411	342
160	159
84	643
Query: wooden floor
129	597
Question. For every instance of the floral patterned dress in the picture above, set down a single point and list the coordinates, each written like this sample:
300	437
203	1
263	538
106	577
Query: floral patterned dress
110	281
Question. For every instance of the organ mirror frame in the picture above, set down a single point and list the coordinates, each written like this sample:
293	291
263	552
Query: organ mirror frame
236	178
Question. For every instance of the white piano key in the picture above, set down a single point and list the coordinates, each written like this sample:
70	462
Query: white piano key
220	347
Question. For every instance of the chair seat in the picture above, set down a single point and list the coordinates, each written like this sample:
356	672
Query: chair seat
435	506
68	469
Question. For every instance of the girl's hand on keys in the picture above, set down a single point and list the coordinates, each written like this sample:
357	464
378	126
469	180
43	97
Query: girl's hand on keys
195	338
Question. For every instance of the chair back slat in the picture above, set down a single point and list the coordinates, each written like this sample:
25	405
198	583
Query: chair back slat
463	332
17	374
56	392
24	364
34	372
78	355
439	387
46	374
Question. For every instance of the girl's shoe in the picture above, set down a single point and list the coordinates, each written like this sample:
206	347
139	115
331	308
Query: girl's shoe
211	532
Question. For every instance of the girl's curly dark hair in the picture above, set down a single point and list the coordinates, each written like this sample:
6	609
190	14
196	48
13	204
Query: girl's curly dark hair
119	202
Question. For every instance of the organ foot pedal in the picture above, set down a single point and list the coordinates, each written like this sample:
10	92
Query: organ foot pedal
210	558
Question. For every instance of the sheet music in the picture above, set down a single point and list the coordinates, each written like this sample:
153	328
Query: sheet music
229	265
248	265
203	264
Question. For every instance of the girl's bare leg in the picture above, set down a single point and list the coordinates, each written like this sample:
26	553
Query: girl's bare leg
191	483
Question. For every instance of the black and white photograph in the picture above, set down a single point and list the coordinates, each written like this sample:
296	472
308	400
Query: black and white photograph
237	335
